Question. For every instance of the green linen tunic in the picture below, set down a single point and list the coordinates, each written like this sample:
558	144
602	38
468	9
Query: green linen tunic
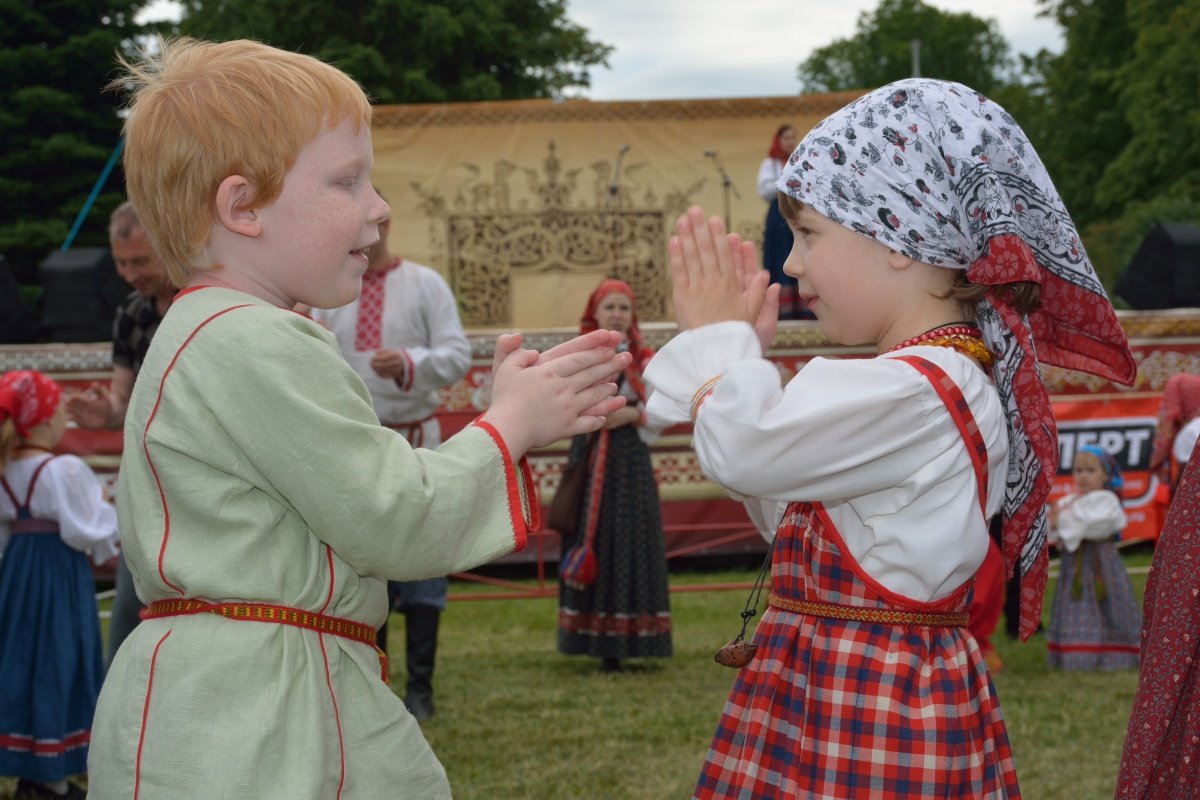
256	471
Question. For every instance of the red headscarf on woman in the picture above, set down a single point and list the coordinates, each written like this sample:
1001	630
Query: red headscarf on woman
29	398
777	152
633	337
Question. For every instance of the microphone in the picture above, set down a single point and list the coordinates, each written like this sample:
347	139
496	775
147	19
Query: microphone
710	153
624	148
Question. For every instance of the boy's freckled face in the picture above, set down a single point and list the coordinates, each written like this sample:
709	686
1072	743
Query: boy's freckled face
839	275
315	233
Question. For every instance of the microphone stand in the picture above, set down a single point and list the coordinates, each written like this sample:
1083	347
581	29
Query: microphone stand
726	184
612	200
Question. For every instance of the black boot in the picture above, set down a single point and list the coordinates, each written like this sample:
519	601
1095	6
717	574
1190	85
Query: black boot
421	629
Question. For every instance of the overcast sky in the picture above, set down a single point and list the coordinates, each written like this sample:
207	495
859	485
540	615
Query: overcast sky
667	49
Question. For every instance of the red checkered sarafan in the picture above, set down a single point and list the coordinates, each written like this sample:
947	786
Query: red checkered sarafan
844	709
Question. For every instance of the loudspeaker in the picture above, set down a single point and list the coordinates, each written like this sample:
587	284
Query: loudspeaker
80	294
1165	271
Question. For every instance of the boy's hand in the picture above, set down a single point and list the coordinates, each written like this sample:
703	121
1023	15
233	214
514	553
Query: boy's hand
537	402
711	274
509	343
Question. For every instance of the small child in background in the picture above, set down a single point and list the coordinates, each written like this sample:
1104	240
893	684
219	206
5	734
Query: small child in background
925	226
1095	622
52	515
263	507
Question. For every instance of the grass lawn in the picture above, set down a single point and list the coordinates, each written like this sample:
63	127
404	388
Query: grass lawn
517	721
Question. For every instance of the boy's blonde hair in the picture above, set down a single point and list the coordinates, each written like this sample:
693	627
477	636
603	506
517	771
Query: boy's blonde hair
202	111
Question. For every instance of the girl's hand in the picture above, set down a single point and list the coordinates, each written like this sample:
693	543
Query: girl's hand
710	278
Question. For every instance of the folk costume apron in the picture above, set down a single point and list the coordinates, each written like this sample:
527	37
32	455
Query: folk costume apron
855	708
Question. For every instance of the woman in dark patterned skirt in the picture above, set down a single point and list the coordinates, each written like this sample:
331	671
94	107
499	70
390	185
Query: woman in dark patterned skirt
612	600
1095	622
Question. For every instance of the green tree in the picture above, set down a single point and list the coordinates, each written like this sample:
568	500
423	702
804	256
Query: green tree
954	46
1074	117
1159	95
57	126
414	51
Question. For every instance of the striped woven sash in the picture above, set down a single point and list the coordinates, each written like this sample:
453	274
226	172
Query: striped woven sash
886	616
281	615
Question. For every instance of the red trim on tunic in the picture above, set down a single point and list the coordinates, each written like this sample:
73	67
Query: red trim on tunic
409	370
517	508
329	597
137	772
337	717
162	550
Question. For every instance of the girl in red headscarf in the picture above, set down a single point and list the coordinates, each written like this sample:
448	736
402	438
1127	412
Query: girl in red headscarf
613	576
52	514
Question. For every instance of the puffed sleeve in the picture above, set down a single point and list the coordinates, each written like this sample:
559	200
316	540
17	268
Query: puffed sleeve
839	429
1093	516
86	522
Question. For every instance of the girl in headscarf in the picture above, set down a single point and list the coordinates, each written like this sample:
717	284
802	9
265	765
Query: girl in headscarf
1095	622
52	515
777	235
926	227
613	577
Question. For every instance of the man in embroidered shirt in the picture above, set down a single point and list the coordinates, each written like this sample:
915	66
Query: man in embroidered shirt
103	407
404	338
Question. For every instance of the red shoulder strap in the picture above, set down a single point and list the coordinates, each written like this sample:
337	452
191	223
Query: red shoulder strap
956	404
33	481
8	490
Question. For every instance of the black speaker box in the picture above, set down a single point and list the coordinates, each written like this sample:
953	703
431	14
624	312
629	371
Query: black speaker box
80	293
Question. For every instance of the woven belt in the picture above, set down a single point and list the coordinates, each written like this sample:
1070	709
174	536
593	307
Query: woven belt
281	615
950	619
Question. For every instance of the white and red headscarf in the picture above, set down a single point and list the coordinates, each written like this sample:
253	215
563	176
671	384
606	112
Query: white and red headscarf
28	398
633	337
935	170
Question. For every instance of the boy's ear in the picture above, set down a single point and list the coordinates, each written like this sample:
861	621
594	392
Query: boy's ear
234	212
897	260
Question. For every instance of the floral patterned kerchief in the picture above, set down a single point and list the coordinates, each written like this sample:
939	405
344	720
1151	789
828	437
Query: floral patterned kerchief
935	170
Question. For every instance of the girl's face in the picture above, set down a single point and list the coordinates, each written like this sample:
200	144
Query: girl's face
615	313
1088	472
843	278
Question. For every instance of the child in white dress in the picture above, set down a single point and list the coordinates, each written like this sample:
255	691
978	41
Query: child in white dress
926	227
52	517
1095	622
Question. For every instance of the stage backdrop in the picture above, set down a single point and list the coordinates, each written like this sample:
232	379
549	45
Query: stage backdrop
515	203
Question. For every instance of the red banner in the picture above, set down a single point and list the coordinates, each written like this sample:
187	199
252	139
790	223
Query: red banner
1123	426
